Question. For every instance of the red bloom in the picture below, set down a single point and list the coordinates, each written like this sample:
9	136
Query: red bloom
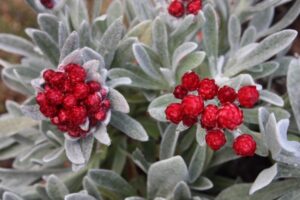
194	7
229	116
208	89
227	94
47	3
248	96
190	81
215	139
192	105
174	113
180	92
189	121
176	8
68	101
244	145
209	117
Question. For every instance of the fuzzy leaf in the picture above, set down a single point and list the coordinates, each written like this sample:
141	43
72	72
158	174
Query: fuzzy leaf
197	163
11	196
129	126
114	11
202	184
264	178
111	181
263	19
182	51
140	160
157	107
71	44
74	152
293	84
248	36
12	125
160	41
168	142
118	101
55	188
271	97
49	24
182	191
234	32
102	136
79	196
47	46
164	175
262	52
91	188
17	45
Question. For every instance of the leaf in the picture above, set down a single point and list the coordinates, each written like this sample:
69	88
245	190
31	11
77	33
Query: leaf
62	34
262	20
197	163
78	12
248	36
140	160
102	136
74	152
190	62
12	125
271	97
111	181
87	144
164	175
168	142
47	46
267	48
234	32
210	35
71	44
202	184
17	45
160	41
11	196
79	196
49	23
55	188
144	61
91	188
293	84
181	52
129	126
182	191
118	101
84	34
114	11
157	107
264	178
268	69
250	115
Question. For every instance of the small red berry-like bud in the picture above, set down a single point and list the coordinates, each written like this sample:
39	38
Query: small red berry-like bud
189	121
76	73
248	96
106	104
215	139
244	145
48	110
190	81
54	97
103	92
93	102
94	86
226	94
76	132
192	105
41	98
176	8
57	80
62	128
47	3
174	113
67	86
100	116
78	115
48	74
81	90
55	120
229	116
70	101
63	116
209	117
180	92
194	7
208	89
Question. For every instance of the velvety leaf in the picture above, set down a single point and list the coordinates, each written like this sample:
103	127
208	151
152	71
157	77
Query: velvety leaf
71	44
202	184
55	188
168	142
49	23
74	152
197	163
79	196
271	97
118	101
182	191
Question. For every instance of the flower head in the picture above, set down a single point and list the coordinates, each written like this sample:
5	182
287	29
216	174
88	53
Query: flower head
244	145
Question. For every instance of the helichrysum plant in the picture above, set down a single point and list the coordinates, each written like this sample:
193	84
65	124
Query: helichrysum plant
152	99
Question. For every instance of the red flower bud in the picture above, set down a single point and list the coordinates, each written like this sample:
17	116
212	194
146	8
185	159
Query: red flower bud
190	81
209	117
180	92
76	73
47	3
94	86
192	105
208	89
54	97
174	113
248	96
81	90
215	139
70	101
244	145
194	7
227	94
229	116
176	8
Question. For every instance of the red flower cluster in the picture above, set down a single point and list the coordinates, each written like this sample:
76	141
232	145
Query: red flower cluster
178	8
69	100
213	118
47	3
